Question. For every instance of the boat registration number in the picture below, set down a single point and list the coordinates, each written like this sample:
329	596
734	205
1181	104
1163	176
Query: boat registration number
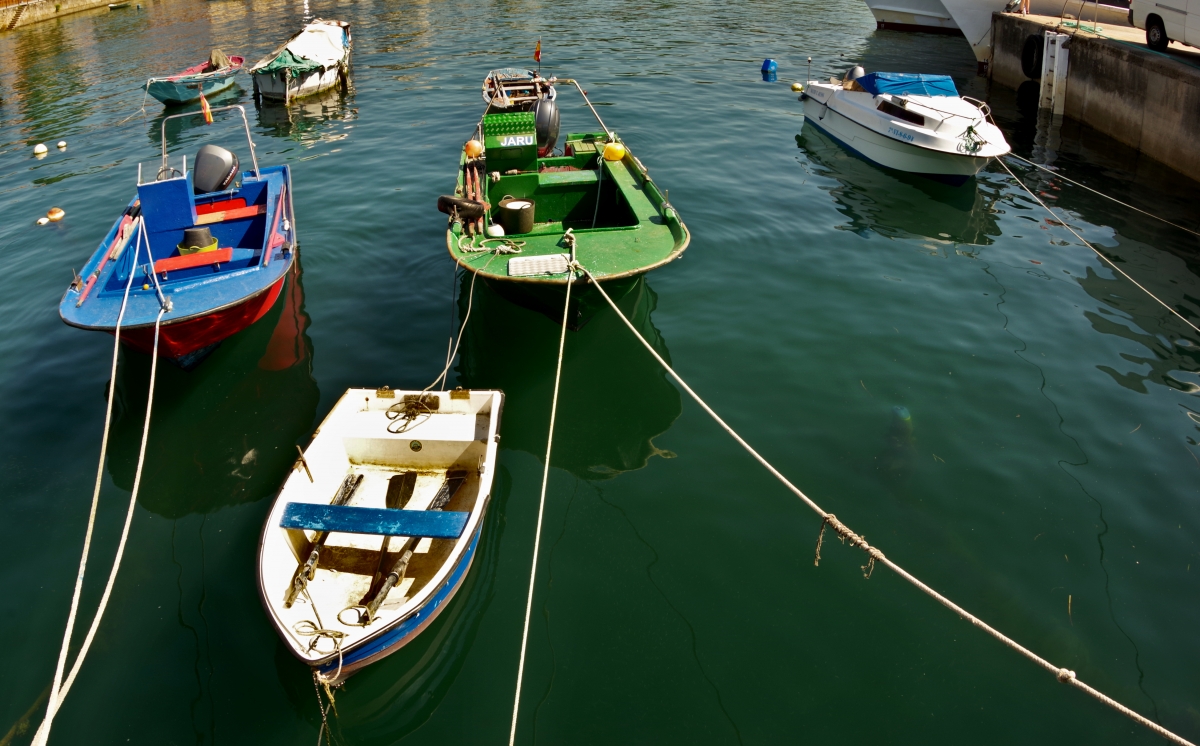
516	141
900	133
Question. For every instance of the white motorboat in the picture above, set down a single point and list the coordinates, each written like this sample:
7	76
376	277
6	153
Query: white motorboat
375	528
909	122
929	16
315	59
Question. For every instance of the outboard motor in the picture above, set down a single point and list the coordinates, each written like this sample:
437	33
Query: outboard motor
545	118
852	75
214	170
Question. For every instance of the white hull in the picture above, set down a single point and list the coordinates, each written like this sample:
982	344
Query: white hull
912	15
889	152
274	86
451	441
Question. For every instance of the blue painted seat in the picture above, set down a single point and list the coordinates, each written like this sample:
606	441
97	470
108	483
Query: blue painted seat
435	524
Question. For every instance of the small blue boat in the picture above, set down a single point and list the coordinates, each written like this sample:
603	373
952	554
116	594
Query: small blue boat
213	244
212	76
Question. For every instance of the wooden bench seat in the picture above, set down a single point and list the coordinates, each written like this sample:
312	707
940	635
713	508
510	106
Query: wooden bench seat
435	524
187	261
234	213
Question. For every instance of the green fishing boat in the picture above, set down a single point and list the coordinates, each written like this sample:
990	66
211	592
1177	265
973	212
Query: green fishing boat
522	212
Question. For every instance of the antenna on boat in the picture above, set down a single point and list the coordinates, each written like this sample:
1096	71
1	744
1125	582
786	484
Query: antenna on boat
808	77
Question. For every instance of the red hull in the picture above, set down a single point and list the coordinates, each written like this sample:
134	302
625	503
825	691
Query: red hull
185	337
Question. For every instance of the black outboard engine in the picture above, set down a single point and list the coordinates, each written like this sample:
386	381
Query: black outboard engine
214	170
545	118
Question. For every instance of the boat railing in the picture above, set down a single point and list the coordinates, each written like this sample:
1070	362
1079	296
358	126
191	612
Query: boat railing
245	126
572	81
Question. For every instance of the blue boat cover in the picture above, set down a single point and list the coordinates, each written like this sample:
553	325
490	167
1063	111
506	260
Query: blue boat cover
913	83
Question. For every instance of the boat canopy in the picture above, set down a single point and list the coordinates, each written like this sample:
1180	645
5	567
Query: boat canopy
908	83
320	46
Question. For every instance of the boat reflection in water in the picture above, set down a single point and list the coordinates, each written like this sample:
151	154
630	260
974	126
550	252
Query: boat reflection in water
224	433
615	398
307	120
897	204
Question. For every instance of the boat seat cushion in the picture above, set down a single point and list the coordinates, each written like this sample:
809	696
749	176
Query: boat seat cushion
435	524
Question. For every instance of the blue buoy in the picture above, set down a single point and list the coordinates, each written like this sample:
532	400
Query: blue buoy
769	66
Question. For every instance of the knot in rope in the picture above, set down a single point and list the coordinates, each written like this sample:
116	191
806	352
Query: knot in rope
403	414
1064	675
847	535
307	628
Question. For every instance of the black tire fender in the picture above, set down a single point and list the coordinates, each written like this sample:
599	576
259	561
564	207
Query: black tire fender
1031	56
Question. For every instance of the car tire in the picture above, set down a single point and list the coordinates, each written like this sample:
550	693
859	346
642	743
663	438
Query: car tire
1156	34
1031	56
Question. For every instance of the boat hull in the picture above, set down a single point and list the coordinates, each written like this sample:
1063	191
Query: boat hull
276	86
548	298
951	168
177	93
928	16
404	630
182	339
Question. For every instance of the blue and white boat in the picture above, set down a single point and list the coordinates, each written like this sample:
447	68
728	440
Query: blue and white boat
212	244
212	76
375	528
905	121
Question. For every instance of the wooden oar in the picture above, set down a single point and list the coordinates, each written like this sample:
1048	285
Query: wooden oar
305	570
454	481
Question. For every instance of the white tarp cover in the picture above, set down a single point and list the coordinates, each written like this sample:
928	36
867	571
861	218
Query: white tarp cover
323	43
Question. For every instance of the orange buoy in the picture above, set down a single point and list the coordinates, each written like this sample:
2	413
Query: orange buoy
474	148
614	151
56	214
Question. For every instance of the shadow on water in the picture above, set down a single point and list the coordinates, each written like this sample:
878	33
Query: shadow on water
615	398
223	433
302	120
896	204
397	695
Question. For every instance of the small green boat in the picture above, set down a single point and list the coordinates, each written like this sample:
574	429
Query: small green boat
521	212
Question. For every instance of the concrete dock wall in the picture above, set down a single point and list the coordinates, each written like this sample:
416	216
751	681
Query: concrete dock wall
1146	100
44	11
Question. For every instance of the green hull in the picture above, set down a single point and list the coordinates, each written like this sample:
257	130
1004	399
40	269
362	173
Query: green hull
621	223
549	299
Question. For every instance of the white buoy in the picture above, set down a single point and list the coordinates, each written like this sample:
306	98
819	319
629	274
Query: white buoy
495	230
62	144
40	149
43	220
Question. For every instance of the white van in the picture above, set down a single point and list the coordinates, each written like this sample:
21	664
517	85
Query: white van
1167	21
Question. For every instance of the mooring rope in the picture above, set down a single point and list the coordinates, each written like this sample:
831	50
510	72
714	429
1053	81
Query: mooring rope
1108	261
537	537
59	693
1058	175
874	554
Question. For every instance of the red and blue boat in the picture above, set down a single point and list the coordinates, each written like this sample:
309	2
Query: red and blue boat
213	244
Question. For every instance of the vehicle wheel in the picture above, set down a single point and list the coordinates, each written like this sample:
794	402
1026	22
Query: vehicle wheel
1031	57
1156	34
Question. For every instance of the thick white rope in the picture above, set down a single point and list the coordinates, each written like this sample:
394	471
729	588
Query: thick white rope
58	694
537	537
91	523
1058	175
1107	261
875	555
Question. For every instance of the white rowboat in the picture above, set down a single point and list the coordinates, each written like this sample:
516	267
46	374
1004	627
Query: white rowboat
375	528
313	60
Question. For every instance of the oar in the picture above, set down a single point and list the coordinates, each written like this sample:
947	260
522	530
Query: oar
305	570
124	231
454	481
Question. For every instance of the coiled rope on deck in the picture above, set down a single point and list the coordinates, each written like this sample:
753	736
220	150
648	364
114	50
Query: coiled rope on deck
59	689
874	554
537	538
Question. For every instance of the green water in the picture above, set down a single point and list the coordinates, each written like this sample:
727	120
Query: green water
1052	453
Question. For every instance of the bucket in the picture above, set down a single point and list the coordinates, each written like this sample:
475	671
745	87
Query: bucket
197	240
516	215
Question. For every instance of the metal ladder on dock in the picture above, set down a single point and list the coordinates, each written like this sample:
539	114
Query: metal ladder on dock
1055	56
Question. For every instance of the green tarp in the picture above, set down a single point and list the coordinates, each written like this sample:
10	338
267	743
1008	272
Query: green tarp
288	61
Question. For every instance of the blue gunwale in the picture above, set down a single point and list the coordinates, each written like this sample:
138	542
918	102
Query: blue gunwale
193	292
